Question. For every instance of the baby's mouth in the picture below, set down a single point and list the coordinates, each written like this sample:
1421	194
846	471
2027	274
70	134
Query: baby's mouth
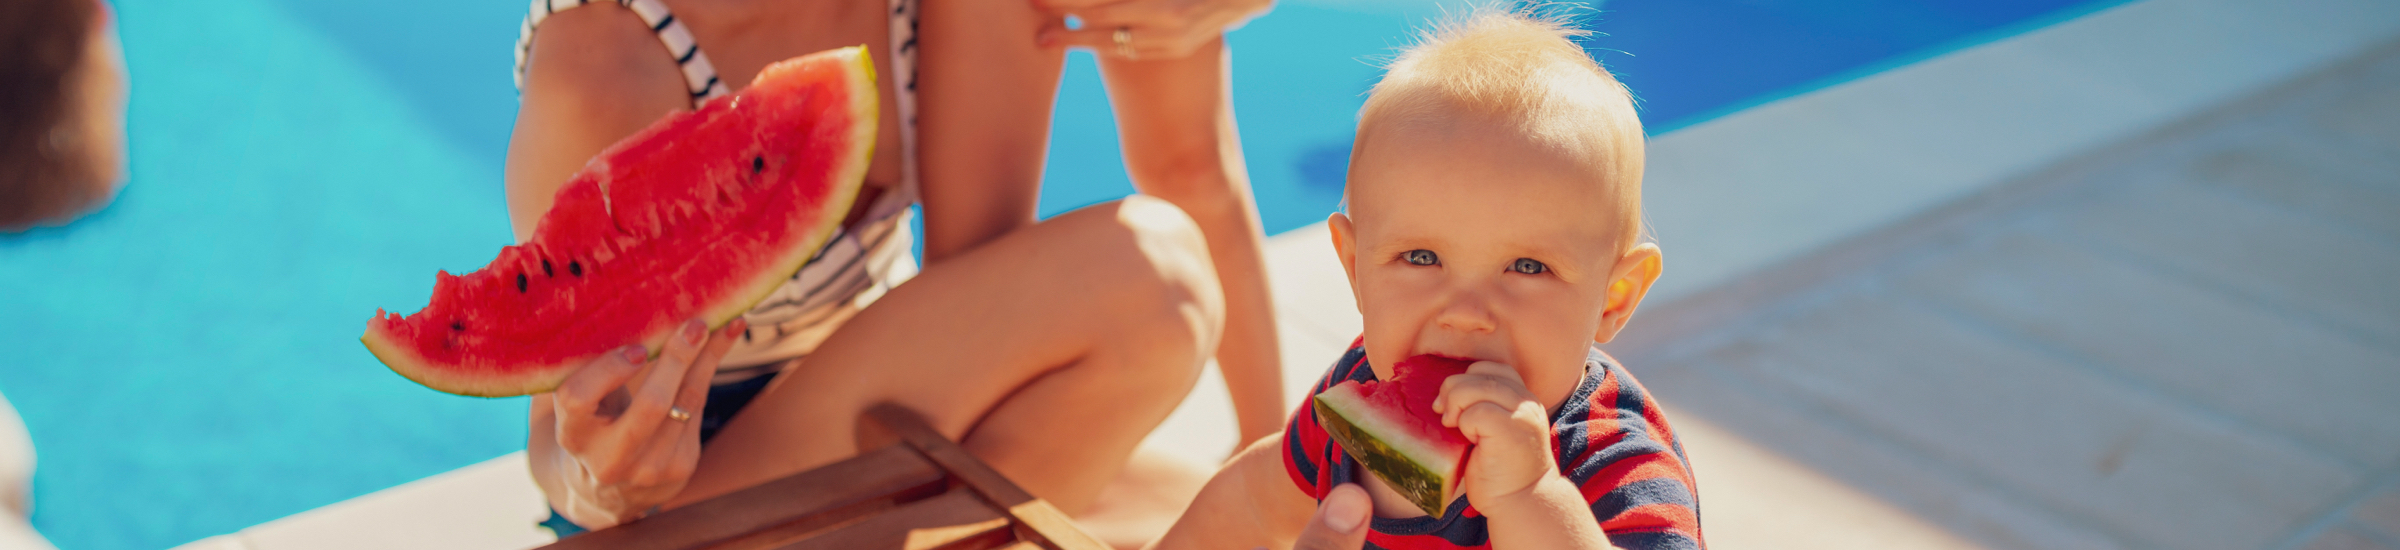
1452	356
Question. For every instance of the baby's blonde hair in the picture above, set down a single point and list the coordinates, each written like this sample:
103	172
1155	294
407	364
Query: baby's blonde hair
1524	71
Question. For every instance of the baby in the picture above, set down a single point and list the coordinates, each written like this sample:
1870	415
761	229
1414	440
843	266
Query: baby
1494	215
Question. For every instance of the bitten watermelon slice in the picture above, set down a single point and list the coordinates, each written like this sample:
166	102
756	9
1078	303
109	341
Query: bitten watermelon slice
700	215
1390	426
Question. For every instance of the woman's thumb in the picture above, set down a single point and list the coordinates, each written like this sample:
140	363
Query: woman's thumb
1340	523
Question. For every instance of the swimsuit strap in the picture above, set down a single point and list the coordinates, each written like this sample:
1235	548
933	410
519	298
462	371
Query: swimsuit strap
699	77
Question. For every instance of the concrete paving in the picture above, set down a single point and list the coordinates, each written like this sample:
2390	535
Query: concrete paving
2188	341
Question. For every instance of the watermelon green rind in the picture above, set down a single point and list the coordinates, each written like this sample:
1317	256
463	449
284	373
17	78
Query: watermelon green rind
416	367
1391	428
387	334
1426	477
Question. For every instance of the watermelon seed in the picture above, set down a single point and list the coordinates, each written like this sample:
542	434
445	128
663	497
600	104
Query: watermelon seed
520	282
758	164
546	268
458	325
575	268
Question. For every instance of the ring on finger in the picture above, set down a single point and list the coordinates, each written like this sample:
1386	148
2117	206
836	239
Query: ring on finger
678	414
1124	40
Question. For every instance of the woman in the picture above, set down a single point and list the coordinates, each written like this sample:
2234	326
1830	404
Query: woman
1048	349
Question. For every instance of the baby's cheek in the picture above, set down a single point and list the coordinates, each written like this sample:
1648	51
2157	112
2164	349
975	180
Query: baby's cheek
1553	373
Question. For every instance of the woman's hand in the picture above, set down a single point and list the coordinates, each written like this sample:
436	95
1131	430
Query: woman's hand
1144	29
1340	523
628	426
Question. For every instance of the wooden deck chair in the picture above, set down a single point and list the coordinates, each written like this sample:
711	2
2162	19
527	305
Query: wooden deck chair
922	492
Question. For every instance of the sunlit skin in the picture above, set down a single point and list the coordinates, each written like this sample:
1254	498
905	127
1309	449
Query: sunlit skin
1443	261
1471	239
1494	202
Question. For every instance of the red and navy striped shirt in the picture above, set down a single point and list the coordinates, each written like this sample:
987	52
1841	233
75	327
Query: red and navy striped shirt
1612	442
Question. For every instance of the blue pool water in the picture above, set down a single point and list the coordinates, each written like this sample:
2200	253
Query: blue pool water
187	361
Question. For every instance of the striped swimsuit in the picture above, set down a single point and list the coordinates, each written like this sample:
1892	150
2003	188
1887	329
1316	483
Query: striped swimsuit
858	264
1610	438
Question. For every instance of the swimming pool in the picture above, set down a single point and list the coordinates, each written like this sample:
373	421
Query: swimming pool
187	358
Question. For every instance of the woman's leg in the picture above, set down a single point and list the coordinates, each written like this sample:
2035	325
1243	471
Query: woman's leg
1049	353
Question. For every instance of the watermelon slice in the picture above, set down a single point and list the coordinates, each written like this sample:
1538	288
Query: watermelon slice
700	215
1390	426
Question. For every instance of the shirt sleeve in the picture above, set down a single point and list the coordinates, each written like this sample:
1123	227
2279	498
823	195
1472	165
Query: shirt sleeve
1307	449
1304	451
1630	469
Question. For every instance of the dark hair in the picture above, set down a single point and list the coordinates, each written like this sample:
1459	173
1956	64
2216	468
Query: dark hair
42	175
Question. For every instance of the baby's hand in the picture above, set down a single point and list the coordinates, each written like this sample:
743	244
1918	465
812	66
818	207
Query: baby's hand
1510	430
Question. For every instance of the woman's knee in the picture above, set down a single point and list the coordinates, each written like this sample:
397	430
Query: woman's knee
1176	253
1165	306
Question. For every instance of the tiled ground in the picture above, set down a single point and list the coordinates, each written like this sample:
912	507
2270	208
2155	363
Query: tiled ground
2190	342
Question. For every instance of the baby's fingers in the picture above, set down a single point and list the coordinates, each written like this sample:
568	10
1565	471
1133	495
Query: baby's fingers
1482	420
1463	391
1497	370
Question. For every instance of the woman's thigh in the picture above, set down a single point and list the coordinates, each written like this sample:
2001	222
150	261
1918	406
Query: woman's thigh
1048	352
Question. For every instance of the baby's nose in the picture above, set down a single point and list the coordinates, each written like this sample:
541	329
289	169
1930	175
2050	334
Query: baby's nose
1466	312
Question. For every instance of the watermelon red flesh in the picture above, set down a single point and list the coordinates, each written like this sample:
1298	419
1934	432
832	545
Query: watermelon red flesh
1391	428
701	215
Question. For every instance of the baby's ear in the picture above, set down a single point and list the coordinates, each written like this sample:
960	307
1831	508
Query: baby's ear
1345	243
1628	282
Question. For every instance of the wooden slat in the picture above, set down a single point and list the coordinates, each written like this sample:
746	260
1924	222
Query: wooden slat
833	493
1051	527
913	430
891	497
1046	524
933	523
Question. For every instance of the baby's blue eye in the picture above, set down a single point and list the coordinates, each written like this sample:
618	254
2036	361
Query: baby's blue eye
1528	266
1420	257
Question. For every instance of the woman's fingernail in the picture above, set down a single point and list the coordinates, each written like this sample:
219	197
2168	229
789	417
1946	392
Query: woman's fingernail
1344	514
636	354
693	330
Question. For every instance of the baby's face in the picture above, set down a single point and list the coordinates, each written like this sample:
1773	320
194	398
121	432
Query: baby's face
1471	241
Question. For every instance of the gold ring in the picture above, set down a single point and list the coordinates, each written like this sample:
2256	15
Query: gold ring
1124	38
678	414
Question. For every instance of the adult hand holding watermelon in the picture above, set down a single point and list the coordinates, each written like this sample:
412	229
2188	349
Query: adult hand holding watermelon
699	216
616	418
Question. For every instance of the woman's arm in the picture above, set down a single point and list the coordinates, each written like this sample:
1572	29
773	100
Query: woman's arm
984	91
984	97
1175	118
596	76
1249	503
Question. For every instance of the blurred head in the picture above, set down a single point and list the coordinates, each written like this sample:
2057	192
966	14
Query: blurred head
61	111
1495	203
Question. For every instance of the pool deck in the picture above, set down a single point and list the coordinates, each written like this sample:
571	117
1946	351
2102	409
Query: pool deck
2144	306
2185	341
